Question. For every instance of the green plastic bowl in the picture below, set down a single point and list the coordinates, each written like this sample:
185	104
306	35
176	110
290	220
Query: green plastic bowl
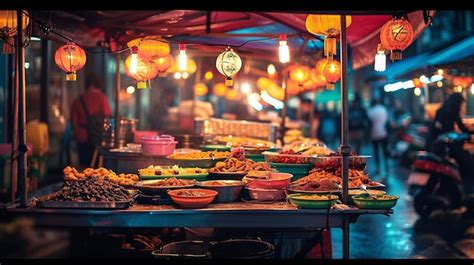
311	203
215	147
255	157
198	177
363	201
298	170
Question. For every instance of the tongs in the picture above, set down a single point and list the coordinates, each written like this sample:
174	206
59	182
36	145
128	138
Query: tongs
363	187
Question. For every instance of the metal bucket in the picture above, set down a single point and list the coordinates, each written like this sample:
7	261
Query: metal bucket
183	250
242	249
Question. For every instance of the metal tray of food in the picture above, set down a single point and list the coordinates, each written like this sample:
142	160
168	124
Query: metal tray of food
47	202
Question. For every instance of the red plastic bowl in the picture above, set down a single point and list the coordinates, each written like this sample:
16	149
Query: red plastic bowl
275	181
267	194
206	197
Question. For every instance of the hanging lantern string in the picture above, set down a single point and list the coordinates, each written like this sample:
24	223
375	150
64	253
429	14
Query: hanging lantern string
48	29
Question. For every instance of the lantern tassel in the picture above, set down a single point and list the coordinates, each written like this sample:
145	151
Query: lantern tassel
395	55
330	86
71	76
329	46
229	82
141	85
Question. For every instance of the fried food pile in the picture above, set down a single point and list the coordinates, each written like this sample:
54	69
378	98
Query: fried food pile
174	170
91	190
322	180
142	243
201	155
170	182
71	174
234	165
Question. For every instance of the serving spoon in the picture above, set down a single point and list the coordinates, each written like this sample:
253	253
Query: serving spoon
363	187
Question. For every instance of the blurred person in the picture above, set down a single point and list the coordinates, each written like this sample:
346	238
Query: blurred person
358	123
87	116
445	119
378	116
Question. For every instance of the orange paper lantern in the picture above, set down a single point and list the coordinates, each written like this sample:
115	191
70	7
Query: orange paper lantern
8	28
293	87
329	26
463	82
396	35
321	64
232	94
145	71
299	73
163	64
200	89
332	73
263	83
70	58
151	47
219	89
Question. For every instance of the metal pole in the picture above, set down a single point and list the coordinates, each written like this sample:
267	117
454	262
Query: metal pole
14	130
311	114
21	111
345	149
45	69
285	106
117	102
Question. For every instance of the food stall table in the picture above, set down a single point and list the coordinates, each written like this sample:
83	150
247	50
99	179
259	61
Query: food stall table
239	214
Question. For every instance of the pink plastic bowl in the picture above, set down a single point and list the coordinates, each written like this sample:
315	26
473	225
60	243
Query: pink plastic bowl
275	181
139	134
158	146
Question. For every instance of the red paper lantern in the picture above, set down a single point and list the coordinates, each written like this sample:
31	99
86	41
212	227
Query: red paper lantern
145	71
396	35
70	58
332	73
464	82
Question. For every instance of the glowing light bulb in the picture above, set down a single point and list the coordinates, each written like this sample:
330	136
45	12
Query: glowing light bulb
177	75
472	89
182	57
130	90
417	91
185	75
440	71
245	88
380	59
271	70
439	84
208	75
283	50
134	60
424	79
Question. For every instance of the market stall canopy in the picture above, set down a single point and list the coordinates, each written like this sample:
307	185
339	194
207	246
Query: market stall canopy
212	30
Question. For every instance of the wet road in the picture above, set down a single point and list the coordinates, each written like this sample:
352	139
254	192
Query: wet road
403	234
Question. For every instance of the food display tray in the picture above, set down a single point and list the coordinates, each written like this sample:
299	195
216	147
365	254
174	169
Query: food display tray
45	202
198	177
202	163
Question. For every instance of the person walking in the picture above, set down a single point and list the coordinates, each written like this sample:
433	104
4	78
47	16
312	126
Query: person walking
378	116
358	123
87	117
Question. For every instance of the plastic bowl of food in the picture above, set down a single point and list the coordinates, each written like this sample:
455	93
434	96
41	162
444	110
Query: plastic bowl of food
229	190
335	162
359	192
192	198
273	181
266	194
313	201
366	201
161	187
159	145
282	158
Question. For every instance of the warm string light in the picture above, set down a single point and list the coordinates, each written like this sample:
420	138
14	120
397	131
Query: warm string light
271	70
130	90
284	50
182	58
417	91
208	75
472	89
380	59
134	60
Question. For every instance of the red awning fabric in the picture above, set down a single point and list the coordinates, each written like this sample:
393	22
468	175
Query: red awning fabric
88	28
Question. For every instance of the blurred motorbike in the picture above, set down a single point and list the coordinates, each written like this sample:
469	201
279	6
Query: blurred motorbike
436	182
409	139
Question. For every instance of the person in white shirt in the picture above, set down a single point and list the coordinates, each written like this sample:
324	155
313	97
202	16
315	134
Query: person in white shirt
378	116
